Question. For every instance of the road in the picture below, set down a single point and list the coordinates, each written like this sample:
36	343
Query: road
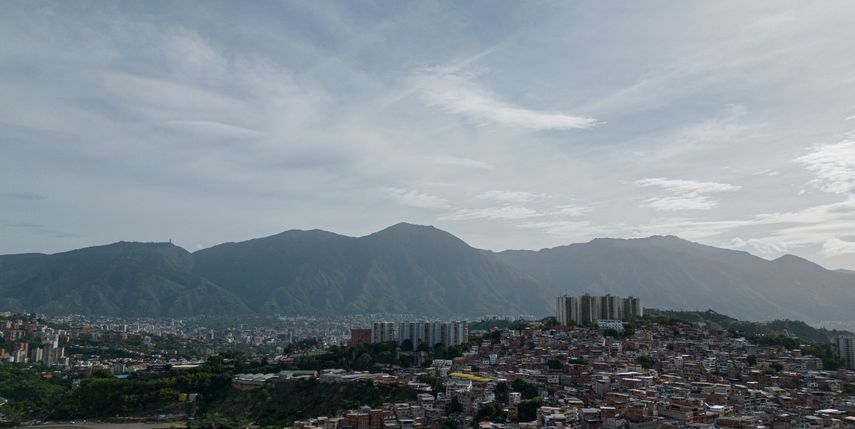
101	425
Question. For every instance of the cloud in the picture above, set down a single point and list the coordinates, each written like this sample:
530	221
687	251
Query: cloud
492	213
460	162
566	229
191	54
511	196
456	94
37	227
833	165
767	172
213	129
413	198
699	202
764	246
686	186
774	233
683	194
726	127
161	93
571	210
26	196
836	246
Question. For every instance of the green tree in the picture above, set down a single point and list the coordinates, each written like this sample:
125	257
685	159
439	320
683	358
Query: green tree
435	383
645	361
528	390
405	361
527	410
501	392
549	323
519	325
363	362
492	412
455	406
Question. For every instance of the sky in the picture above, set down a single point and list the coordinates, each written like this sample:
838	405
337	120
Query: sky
517	125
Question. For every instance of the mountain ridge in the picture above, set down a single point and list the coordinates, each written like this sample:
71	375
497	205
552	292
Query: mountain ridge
417	269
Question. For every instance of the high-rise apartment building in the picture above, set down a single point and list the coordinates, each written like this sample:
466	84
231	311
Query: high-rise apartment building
429	333
383	332
566	309
588	309
846	349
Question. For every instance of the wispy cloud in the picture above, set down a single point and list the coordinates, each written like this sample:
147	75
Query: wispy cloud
213	129
37	227
768	234
161	93
413	198
456	93
767	172
836	246
511	196
460	162
683	194
492	213
28	196
833	165
576	230
571	210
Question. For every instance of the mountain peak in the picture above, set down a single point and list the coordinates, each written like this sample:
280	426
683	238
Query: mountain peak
129	246
405	226
407	234
794	260
409	229
652	238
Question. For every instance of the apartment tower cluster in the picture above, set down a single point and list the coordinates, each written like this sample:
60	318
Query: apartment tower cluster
588	309
846	349
429	333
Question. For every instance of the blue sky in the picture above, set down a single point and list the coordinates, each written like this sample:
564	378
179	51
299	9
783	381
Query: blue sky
509	124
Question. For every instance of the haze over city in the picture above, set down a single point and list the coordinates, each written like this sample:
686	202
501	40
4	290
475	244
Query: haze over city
511	126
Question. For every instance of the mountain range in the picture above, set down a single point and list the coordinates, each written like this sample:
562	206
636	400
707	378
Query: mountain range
414	269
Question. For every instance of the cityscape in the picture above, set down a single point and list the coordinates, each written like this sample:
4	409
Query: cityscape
598	362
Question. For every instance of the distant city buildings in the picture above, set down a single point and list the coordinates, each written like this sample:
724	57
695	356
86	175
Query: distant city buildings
429	333
846	349
18	335
588	309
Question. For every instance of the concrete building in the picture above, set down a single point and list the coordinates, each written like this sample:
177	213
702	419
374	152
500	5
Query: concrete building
383	332
359	337
566	309
846	349
588	309
428	333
